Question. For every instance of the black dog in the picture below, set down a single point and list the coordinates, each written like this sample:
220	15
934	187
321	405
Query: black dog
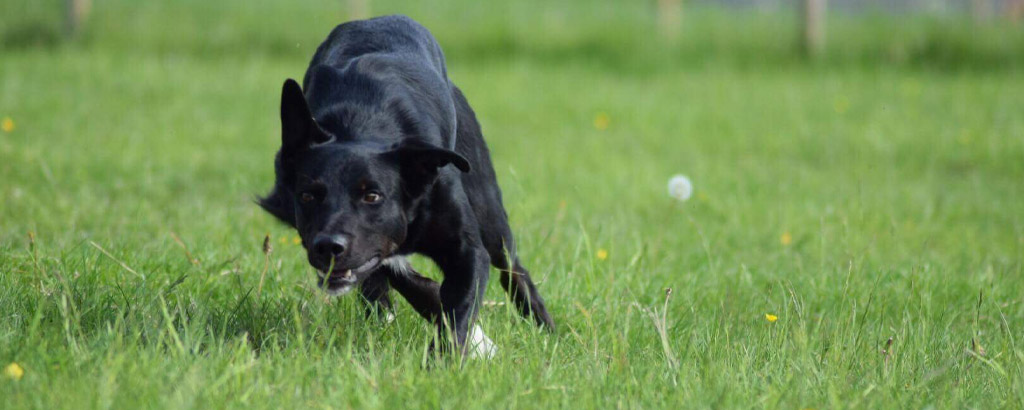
383	157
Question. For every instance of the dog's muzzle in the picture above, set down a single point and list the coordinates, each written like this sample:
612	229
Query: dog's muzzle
340	282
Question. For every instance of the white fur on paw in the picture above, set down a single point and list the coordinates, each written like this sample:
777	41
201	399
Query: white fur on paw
481	346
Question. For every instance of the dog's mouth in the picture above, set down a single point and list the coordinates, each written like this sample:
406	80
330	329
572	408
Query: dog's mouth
340	281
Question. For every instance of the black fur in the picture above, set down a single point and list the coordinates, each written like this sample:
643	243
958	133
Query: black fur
364	168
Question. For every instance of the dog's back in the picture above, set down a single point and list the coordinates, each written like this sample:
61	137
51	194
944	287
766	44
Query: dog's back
393	35
377	64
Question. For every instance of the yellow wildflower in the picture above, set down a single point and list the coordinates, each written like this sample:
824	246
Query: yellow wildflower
770	317
7	124
14	371
602	254
296	240
786	239
602	121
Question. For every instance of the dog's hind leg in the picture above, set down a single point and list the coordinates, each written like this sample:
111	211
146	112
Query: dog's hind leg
481	187
516	279
524	294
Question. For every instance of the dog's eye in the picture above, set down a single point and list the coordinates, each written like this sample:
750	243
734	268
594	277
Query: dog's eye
313	193
372	197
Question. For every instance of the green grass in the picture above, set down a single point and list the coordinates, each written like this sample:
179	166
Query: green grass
899	184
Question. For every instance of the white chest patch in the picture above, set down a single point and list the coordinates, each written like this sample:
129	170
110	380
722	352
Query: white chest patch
398	264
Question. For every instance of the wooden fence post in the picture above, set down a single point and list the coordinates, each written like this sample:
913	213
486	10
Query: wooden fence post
75	13
670	16
813	17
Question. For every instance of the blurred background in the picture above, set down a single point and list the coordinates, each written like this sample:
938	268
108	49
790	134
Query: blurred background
633	35
773	106
856	165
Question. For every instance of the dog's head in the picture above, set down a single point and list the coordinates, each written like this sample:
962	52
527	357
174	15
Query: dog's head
350	201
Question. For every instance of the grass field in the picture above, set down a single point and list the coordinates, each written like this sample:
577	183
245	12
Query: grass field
858	200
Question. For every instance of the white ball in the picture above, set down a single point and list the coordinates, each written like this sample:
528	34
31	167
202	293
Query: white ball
680	187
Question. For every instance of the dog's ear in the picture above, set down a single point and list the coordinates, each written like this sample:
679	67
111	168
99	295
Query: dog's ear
280	201
424	158
279	204
298	128
420	162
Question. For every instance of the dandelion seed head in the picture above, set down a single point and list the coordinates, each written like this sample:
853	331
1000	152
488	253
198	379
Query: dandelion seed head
680	187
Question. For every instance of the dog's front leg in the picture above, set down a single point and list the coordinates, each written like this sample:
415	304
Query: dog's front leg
422	293
466	272
375	295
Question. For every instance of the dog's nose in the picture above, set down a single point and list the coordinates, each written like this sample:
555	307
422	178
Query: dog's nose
329	246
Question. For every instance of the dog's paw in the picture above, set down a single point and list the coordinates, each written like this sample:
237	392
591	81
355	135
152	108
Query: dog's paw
481	346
